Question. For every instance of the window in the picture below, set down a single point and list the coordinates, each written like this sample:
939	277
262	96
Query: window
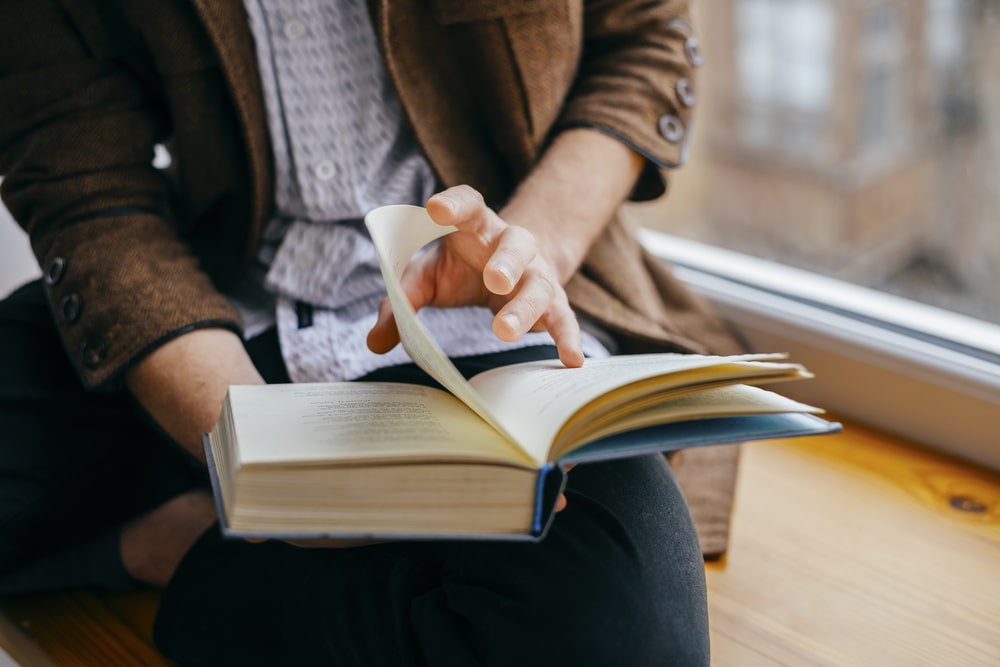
884	115
858	139
785	71
919	372
847	154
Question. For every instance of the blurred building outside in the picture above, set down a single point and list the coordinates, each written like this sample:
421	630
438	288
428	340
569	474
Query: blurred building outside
856	138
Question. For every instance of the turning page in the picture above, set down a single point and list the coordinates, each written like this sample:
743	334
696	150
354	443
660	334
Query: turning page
537	398
398	232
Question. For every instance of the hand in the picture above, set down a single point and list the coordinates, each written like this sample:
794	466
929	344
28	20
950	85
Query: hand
487	262
561	500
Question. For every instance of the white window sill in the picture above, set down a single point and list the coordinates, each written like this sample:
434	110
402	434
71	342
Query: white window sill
912	370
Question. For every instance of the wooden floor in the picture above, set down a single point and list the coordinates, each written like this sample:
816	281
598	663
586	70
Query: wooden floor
846	550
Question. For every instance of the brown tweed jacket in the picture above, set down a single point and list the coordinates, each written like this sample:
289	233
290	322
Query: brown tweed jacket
135	255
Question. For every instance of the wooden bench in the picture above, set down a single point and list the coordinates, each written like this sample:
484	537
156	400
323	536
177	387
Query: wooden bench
853	549
81	627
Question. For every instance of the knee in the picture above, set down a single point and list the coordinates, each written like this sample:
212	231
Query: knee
638	595
643	623
619	615
619	580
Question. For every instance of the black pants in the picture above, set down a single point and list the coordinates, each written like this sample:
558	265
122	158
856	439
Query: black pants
618	580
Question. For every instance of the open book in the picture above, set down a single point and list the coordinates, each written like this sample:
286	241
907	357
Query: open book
485	458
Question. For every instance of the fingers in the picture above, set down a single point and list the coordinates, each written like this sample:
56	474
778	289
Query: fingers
541	303
565	332
462	206
561	502
535	295
419	287
514	252
501	251
384	335
508	258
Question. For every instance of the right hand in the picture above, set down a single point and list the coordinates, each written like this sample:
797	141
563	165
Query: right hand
491	263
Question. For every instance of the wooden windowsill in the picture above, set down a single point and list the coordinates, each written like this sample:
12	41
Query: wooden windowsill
852	549
858	549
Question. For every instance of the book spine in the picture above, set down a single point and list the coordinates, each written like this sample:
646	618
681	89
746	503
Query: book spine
540	500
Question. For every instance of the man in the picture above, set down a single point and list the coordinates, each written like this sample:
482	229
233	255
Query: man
243	263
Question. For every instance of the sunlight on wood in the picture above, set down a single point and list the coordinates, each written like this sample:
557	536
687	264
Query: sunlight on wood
858	550
83	627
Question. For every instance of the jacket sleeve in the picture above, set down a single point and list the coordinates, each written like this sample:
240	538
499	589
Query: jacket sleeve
636	81
77	132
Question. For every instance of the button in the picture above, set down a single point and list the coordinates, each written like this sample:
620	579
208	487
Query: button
93	352
325	170
161	157
671	128
680	26
54	271
693	52
685	92
294	29
70	308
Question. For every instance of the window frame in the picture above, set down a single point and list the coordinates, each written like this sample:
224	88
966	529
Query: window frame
915	371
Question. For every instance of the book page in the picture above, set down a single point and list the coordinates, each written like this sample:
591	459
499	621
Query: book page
536	398
361	421
731	400
398	232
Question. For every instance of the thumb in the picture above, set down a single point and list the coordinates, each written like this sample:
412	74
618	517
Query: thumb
384	335
418	287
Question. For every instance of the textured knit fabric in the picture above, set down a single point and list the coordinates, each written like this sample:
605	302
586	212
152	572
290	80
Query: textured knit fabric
341	147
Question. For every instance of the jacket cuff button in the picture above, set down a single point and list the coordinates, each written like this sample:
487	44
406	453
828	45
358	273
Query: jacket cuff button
693	52
685	92
93	352
54	270
671	128
70	307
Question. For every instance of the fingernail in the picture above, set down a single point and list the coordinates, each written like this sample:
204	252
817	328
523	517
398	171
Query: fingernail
513	322
446	201
505	271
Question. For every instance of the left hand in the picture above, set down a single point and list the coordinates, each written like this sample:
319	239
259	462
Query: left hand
487	262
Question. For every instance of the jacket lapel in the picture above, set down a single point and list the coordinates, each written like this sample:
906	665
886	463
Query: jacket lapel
226	24
421	62
427	78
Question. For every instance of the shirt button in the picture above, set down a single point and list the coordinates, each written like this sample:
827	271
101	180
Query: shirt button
54	271
685	92
693	52
671	128
294	29
325	170
70	308
92	352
